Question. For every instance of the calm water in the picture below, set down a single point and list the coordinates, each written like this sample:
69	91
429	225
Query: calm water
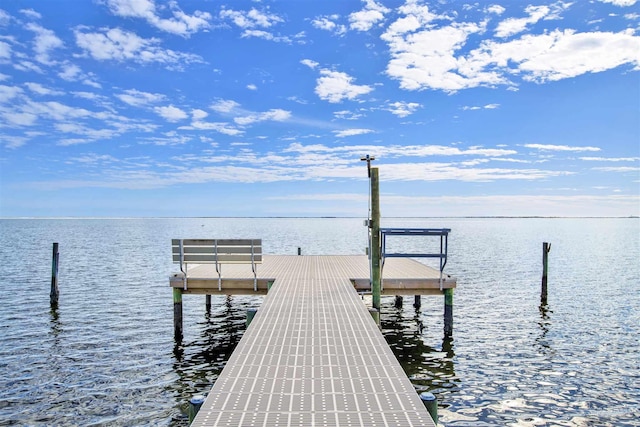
107	355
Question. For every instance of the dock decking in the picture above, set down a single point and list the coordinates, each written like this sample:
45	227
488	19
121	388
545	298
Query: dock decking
401	276
313	355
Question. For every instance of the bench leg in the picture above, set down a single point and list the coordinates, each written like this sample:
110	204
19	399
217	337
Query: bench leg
177	314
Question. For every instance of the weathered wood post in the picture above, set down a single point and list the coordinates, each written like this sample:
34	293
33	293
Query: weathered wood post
55	292
208	303
375	239
177	314
546	248
417	301
398	302
448	312
299	251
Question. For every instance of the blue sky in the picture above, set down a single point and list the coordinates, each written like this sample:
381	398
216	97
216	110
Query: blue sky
264	108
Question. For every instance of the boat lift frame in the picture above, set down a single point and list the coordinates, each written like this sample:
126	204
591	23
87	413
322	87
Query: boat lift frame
444	243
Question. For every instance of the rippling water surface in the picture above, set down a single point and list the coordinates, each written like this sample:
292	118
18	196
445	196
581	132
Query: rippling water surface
106	356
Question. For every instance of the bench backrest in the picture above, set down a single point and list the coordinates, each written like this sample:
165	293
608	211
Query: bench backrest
217	251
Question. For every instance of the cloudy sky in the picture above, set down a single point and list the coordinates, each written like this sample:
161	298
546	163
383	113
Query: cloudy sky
264	108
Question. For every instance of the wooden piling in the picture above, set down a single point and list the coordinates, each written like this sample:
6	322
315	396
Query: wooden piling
177	314
55	291
194	406
208	303
448	312
417	301
431	403
398	302
299	251
546	248
375	239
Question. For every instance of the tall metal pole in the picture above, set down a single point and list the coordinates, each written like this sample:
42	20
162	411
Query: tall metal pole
375	239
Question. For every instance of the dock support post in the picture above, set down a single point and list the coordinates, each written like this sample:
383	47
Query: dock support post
251	313
194	406
417	301
299	251
55	292
177	313
375	239
431	403
398	302
546	248
375	313
208	304
448	312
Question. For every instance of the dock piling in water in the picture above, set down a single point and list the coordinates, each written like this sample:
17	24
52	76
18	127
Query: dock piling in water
431	403
546	248
55	292
177	313
448	312
194	406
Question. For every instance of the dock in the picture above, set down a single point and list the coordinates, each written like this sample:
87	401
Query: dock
313	354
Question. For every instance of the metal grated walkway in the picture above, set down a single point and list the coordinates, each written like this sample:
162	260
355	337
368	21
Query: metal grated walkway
313	356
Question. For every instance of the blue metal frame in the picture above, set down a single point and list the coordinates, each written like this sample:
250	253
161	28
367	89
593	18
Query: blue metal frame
444	244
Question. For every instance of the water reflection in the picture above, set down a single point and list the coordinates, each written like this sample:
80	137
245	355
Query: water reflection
199	362
542	342
429	368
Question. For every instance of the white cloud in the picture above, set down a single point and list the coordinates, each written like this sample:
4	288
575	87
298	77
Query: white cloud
495	9
198	114
610	159
41	90
347	115
251	19
138	98
426	59
276	115
222	128
309	63
224	106
30	13
620	2
476	107
44	43
402	109
549	147
12	141
365	19
335	86
562	54
512	26
116	44
180	23
328	23
351	132
261	34
252	87
171	113
5	50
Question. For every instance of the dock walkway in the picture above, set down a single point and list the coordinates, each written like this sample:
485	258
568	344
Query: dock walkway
313	355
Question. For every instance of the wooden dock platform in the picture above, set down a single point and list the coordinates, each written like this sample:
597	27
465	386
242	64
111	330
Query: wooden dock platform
401	276
313	355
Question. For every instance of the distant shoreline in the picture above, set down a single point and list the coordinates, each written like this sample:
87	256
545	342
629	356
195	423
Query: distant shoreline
319	217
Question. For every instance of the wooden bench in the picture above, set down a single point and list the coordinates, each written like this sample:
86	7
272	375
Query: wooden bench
218	252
